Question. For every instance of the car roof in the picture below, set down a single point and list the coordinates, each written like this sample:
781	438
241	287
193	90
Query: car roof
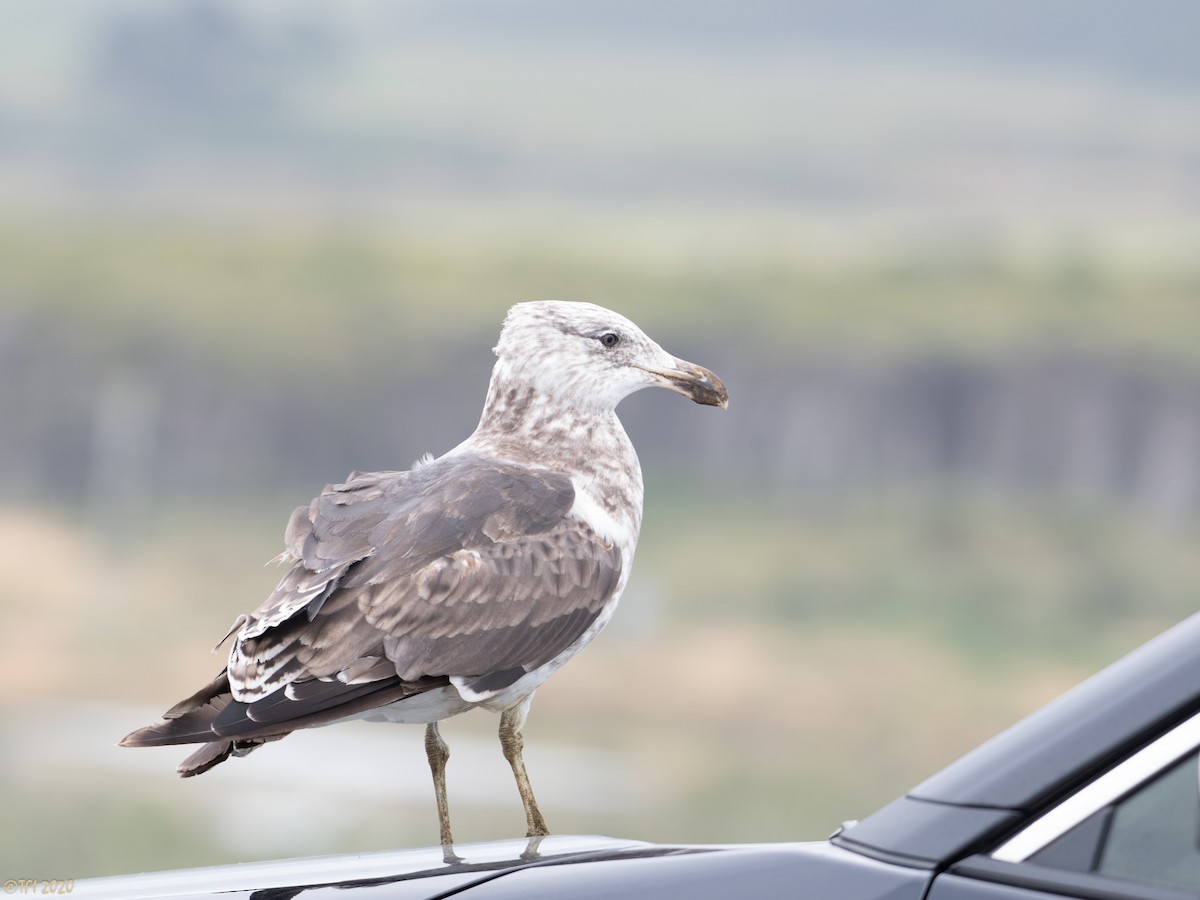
1044	757
396	867
556	866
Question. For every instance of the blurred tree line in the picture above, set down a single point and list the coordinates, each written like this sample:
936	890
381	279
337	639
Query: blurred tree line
234	376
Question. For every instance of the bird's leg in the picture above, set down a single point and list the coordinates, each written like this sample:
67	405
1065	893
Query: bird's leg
437	753
511	741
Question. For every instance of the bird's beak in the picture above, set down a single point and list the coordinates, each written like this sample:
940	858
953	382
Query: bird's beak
694	382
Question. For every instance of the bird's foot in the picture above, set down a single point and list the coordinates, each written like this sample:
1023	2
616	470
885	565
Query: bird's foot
531	851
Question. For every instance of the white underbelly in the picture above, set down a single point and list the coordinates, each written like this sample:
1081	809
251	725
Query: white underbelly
419	709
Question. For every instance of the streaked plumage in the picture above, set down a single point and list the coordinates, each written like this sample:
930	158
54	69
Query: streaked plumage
465	581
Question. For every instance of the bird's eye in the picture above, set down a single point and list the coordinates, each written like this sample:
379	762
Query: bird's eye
609	338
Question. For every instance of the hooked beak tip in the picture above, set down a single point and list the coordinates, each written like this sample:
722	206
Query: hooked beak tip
697	383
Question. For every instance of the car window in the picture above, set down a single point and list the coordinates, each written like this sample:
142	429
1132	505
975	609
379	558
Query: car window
1151	835
1154	834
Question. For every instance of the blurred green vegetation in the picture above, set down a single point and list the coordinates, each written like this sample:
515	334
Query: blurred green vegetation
252	295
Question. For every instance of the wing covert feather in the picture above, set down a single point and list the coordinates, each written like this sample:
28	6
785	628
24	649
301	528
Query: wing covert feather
462	566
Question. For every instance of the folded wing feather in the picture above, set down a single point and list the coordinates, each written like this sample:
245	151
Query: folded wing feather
463	566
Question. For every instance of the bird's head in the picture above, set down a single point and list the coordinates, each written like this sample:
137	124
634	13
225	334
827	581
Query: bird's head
590	356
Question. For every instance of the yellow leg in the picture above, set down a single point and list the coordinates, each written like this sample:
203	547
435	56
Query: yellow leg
513	744
437	753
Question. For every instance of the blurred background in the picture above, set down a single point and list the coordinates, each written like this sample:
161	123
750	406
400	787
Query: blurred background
944	256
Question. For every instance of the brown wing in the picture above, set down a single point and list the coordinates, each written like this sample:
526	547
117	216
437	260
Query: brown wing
463	566
504	606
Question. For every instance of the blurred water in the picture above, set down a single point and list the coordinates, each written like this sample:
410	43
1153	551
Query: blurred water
326	779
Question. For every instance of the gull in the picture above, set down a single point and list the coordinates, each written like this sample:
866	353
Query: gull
464	582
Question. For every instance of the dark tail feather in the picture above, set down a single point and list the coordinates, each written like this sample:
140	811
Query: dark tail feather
186	728
227	727
205	758
196	727
188	721
216	687
219	751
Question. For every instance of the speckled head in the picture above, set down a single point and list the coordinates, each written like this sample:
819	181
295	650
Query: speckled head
589	357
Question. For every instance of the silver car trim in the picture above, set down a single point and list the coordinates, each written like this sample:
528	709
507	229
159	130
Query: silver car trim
1109	787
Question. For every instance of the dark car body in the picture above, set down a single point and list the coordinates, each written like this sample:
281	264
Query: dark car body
1097	795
